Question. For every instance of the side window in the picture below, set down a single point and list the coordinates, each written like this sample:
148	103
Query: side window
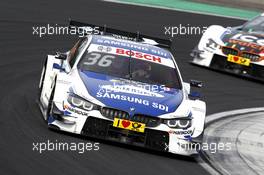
77	48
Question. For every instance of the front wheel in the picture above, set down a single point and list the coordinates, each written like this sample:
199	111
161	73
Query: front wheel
42	77
50	104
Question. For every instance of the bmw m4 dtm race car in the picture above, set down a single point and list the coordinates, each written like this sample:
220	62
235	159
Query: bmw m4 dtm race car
123	87
238	50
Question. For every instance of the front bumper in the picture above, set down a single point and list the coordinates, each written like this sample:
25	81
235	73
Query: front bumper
103	129
254	71
219	62
96	125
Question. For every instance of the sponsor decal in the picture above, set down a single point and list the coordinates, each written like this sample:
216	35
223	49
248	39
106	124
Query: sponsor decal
104	48
238	60
134	100
74	110
247	44
131	46
249	38
63	82
139	55
129	125
182	132
126	52
212	44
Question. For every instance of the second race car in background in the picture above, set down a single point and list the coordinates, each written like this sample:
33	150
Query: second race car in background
238	50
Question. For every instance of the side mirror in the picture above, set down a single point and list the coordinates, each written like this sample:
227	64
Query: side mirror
196	83
194	95
61	56
57	66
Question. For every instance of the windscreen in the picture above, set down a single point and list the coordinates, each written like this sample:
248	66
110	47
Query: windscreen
129	68
105	63
256	25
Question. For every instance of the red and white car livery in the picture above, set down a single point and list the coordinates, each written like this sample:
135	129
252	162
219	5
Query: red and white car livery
238	50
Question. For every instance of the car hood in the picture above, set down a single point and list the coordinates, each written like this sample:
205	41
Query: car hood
244	41
130	96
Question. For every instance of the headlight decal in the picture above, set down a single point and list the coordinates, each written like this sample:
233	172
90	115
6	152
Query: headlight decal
88	106
184	123
172	123
81	103
178	123
75	101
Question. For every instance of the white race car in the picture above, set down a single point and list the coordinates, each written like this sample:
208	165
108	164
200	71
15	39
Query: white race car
238	50
123	87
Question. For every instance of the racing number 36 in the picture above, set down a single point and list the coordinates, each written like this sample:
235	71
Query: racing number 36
97	58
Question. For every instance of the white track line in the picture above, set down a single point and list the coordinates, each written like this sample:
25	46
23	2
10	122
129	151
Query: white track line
221	115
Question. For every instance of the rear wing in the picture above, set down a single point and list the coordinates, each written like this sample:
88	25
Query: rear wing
85	29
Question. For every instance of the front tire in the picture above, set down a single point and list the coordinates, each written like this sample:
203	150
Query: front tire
42	77
50	104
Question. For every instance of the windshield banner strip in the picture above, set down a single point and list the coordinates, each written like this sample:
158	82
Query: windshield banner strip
140	47
132	53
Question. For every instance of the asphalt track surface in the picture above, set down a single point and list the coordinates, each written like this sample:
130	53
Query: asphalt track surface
21	56
243	133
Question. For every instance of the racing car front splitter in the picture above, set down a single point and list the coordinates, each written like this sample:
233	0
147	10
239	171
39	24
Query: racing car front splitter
247	70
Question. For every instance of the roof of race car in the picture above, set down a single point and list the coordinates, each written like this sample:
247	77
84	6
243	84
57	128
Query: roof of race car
134	49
